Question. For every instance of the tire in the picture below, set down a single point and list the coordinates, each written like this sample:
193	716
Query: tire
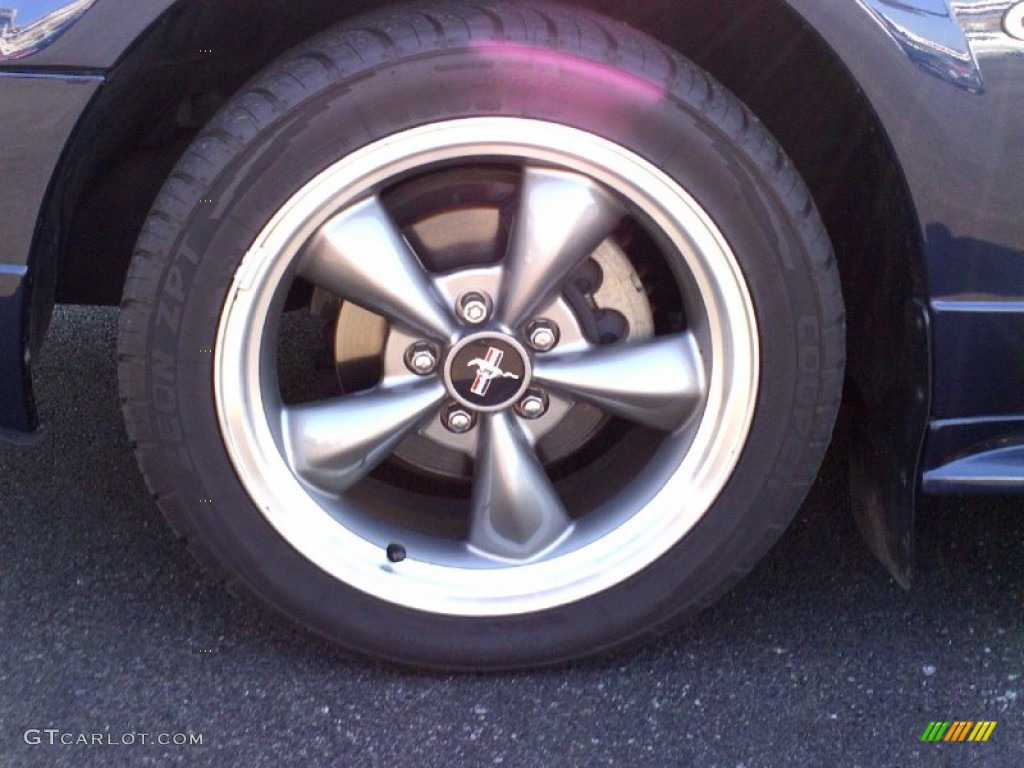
482	336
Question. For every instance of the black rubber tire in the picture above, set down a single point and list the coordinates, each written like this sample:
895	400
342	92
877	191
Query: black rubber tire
410	65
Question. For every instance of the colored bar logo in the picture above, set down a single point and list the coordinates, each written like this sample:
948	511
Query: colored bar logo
958	730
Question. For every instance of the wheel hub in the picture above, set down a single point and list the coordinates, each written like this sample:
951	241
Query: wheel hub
487	371
457	240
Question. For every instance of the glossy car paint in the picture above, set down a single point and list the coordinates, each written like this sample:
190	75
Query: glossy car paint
956	139
945	80
38	113
52	60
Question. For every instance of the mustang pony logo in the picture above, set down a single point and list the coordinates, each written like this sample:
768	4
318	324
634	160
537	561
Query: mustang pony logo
487	370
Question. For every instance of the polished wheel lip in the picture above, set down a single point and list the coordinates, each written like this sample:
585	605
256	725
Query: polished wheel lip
489	586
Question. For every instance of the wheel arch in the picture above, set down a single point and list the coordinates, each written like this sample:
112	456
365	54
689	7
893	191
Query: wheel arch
815	107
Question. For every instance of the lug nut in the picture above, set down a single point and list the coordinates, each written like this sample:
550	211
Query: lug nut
542	335
474	307
458	420
533	404
421	358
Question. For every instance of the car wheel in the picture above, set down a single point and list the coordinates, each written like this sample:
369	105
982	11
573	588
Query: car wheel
482	336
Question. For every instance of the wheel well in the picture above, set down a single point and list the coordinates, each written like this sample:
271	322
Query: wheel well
175	78
793	81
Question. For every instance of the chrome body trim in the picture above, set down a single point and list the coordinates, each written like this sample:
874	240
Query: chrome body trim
992	27
1013	21
31	35
949	38
929	35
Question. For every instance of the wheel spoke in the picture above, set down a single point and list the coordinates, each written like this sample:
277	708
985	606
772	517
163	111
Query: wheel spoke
657	383
335	443
360	255
562	218
516	510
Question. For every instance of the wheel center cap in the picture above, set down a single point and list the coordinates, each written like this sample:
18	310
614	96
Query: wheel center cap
487	371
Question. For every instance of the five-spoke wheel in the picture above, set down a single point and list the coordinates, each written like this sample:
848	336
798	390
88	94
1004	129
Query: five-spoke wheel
474	349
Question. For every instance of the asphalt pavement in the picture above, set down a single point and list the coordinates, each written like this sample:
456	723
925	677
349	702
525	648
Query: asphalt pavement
116	650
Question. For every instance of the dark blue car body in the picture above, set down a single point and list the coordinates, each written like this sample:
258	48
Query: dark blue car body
906	117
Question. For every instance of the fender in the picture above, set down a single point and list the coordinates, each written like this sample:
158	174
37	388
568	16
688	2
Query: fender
53	55
952	372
